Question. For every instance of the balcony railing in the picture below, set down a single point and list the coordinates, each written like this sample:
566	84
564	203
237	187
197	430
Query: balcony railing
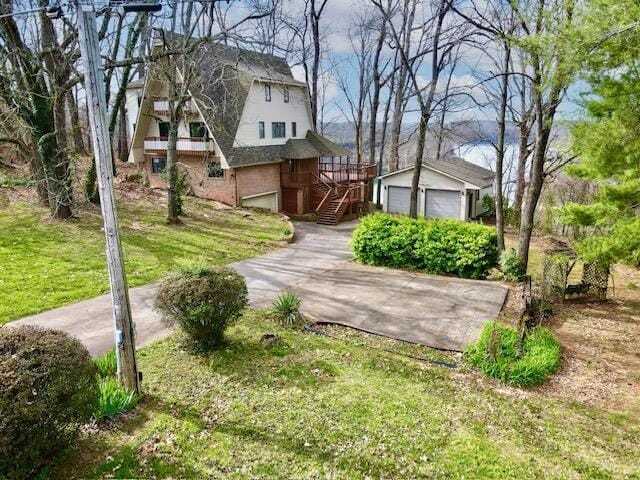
161	106
196	146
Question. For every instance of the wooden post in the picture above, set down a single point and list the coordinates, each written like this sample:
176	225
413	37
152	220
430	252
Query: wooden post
97	106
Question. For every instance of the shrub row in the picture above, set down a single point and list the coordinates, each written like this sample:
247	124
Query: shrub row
444	247
496	354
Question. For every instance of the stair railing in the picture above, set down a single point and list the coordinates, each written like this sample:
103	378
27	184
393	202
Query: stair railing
325	200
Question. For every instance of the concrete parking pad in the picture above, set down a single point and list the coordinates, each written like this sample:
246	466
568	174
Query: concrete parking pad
440	312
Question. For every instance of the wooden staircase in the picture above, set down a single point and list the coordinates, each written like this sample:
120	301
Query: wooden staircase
332	213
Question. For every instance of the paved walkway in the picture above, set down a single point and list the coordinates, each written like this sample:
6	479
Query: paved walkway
316	249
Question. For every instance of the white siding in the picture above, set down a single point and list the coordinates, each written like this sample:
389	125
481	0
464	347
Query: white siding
429	179
149	125
257	109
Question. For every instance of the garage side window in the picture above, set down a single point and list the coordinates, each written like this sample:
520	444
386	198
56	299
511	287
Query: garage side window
158	164
214	170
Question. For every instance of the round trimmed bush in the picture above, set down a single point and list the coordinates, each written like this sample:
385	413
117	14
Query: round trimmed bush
203	301
48	389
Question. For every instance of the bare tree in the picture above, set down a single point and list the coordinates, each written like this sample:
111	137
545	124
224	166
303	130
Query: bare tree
315	10
402	37
497	23
436	41
356	94
552	71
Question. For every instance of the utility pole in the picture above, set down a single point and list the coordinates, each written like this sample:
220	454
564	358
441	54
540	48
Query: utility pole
94	87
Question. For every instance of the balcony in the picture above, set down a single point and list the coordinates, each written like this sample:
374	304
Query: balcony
187	146
342	173
161	107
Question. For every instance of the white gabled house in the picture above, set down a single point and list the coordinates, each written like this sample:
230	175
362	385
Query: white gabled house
448	188
248	138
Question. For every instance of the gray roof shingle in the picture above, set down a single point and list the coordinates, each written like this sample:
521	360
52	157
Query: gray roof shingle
221	89
467	171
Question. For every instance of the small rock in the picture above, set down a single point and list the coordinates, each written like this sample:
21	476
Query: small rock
270	340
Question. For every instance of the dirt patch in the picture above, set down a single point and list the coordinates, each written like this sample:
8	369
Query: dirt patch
601	358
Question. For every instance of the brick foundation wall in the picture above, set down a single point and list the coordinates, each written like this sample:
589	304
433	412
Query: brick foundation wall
259	179
219	189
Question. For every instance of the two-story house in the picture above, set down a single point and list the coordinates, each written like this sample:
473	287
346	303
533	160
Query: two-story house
248	138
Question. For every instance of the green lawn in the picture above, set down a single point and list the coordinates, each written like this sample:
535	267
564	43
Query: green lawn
45	264
326	408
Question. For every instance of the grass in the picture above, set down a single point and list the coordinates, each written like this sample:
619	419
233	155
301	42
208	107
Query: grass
47	264
540	358
15	182
318	407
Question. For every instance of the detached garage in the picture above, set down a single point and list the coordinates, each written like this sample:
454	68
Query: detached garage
449	188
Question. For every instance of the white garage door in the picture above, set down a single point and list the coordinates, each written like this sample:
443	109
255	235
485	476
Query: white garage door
268	201
442	203
398	199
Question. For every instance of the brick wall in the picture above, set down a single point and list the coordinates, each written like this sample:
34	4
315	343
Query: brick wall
219	189
259	179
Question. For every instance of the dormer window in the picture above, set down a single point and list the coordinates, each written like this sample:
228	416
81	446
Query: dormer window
286	94
267	92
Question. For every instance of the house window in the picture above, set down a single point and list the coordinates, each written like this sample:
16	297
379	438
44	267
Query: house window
267	92
286	95
294	129
214	170
158	164
477	194
261	129
197	129
278	130
163	128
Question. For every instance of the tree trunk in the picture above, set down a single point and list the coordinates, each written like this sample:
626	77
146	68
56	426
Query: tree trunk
417	169
502	125
78	142
523	155
545	113
396	122
172	175
123	144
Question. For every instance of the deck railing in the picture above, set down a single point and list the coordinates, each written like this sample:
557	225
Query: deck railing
184	145
340	173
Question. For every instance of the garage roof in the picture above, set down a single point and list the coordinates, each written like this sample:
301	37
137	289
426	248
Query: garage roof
458	168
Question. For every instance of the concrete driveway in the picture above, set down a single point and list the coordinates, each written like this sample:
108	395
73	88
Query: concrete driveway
440	312
316	249
436	311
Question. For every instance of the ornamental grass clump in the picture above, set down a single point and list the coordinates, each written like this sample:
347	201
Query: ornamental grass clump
113	399
203	301
440	246
498	355
106	364
286	309
48	389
